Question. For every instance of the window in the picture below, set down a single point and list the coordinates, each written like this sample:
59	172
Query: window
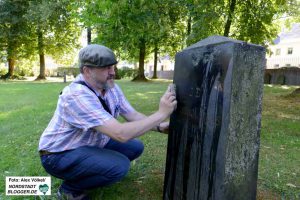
288	65
277	52
276	66
290	51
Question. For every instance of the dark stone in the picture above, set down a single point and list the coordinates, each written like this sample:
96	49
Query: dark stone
213	142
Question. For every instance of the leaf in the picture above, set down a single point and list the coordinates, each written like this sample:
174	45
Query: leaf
291	185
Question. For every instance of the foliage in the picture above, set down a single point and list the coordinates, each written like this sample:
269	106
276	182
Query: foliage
3	72
14	28
14	32
24	67
132	28
127	72
74	71
31	112
55	30
246	20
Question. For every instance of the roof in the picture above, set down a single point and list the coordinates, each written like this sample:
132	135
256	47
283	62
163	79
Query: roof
294	33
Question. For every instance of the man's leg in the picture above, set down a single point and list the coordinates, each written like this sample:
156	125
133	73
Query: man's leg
132	149
86	168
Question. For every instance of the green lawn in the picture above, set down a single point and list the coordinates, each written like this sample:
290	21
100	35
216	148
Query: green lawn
26	108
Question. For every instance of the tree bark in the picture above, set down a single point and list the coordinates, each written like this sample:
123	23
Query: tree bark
155	62
89	35
11	56
189	29
229	19
189	25
11	67
42	55
42	67
141	75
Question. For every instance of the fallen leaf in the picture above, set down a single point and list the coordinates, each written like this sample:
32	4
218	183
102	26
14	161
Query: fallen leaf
291	185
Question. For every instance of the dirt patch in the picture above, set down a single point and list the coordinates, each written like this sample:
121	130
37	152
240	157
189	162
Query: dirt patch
267	195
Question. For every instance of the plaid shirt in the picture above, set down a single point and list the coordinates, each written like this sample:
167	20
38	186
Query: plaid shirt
78	111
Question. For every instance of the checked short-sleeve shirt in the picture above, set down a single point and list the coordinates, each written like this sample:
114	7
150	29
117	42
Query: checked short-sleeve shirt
78	111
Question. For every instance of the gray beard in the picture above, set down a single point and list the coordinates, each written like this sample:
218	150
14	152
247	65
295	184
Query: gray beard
107	85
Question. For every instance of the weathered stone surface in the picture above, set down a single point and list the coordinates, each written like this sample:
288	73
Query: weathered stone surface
214	133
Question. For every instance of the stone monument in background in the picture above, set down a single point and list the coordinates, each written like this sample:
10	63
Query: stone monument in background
214	134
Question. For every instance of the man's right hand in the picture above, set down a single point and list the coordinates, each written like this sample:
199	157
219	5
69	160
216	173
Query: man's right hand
123	132
168	101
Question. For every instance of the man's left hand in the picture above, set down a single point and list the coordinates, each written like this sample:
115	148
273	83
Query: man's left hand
164	127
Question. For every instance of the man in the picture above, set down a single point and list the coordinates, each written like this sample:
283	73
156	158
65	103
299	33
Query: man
84	144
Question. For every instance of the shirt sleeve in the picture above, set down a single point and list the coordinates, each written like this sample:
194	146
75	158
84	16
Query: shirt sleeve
83	110
125	106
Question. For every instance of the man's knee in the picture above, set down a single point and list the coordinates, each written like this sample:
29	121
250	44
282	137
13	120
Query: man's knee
119	170
138	149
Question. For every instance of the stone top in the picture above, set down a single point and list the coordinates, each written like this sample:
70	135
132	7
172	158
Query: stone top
215	39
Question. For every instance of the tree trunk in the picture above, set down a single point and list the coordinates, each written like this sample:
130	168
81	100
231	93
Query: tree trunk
141	75
189	25
229	19
189	29
116	73
42	68
155	62
11	68
42	55
11	57
89	35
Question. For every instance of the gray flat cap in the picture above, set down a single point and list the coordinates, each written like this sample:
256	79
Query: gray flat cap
95	55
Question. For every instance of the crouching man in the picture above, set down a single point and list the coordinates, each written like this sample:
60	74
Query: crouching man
84	144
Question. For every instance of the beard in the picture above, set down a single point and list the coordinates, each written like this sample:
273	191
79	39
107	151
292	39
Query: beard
105	85
110	83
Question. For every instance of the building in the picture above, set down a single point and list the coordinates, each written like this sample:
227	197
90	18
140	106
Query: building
286	49
165	68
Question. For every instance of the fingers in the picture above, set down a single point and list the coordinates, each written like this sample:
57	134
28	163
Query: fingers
168	102
172	98
172	88
174	104
170	91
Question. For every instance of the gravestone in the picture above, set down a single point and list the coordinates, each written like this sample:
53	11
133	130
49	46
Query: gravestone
214	133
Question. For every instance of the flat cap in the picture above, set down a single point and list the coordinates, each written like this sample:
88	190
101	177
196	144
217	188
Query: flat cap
95	55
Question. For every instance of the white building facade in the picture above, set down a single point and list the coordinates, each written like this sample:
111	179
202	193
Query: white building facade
286	50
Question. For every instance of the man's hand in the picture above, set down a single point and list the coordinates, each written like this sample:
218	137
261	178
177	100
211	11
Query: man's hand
168	101
164	127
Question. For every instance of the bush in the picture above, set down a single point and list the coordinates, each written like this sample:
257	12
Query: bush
68	70
3	72
127	72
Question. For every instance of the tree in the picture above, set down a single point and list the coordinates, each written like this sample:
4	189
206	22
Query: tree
132	28
246	20
55	29
15	32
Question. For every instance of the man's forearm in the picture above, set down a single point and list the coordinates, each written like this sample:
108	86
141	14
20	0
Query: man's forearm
128	130
136	116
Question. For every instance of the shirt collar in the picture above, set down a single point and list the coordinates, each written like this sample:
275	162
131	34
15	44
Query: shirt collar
81	78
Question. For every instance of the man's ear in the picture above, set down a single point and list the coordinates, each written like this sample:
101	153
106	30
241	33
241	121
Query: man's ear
86	70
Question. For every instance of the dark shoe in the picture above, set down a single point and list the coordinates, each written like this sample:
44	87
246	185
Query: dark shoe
61	195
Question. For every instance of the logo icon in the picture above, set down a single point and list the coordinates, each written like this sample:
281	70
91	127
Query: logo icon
44	188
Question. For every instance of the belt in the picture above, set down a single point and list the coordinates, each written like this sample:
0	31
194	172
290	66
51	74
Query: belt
44	152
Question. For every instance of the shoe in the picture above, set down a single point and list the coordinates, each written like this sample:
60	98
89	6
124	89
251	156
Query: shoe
61	195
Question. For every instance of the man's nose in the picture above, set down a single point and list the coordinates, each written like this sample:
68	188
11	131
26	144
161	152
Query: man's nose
112	70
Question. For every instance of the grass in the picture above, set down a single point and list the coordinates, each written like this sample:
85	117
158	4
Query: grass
27	107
